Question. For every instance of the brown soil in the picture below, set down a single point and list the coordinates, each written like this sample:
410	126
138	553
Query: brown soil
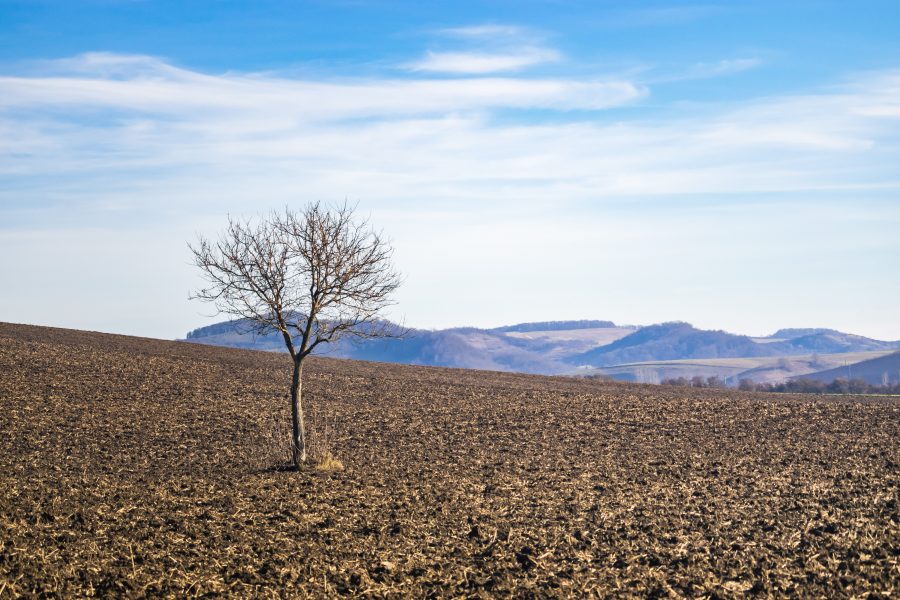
132	467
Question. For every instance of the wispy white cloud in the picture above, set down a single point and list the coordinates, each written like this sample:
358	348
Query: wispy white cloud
487	48
105	139
654	76
882	93
489	32
148	84
385	135
708	70
477	63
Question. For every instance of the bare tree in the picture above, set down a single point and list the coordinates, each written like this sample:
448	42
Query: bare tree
746	385
714	381
312	275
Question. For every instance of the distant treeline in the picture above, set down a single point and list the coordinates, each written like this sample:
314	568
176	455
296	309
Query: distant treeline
840	385
696	381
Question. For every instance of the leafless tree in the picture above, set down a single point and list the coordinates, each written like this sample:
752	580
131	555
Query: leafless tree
313	275
746	385
714	381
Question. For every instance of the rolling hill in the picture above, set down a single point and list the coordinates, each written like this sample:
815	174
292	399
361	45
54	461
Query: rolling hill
765	369
528	347
681	341
836	341
548	326
557	347
671	341
875	371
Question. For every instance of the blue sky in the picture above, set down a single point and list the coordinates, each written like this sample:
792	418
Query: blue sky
730	164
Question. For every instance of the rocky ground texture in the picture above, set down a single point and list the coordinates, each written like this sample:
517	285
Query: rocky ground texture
134	467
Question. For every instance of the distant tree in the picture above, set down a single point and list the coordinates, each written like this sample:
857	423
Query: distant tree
714	382
858	386
697	381
839	386
803	386
313	275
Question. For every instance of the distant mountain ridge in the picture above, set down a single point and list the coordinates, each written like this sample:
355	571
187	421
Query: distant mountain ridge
884	370
554	326
790	334
556	347
671	341
834	341
678	341
463	347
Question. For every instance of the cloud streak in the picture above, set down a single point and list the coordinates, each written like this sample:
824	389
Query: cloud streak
488	48
139	83
490	32
477	63
708	70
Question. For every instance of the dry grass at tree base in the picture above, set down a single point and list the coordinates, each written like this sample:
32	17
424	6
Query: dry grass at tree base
133	467
327	462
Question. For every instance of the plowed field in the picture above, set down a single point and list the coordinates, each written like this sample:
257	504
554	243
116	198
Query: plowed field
133	467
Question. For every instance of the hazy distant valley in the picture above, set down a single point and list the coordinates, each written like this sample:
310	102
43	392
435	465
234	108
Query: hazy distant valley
647	354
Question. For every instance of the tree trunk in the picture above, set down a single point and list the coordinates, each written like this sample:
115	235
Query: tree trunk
298	431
